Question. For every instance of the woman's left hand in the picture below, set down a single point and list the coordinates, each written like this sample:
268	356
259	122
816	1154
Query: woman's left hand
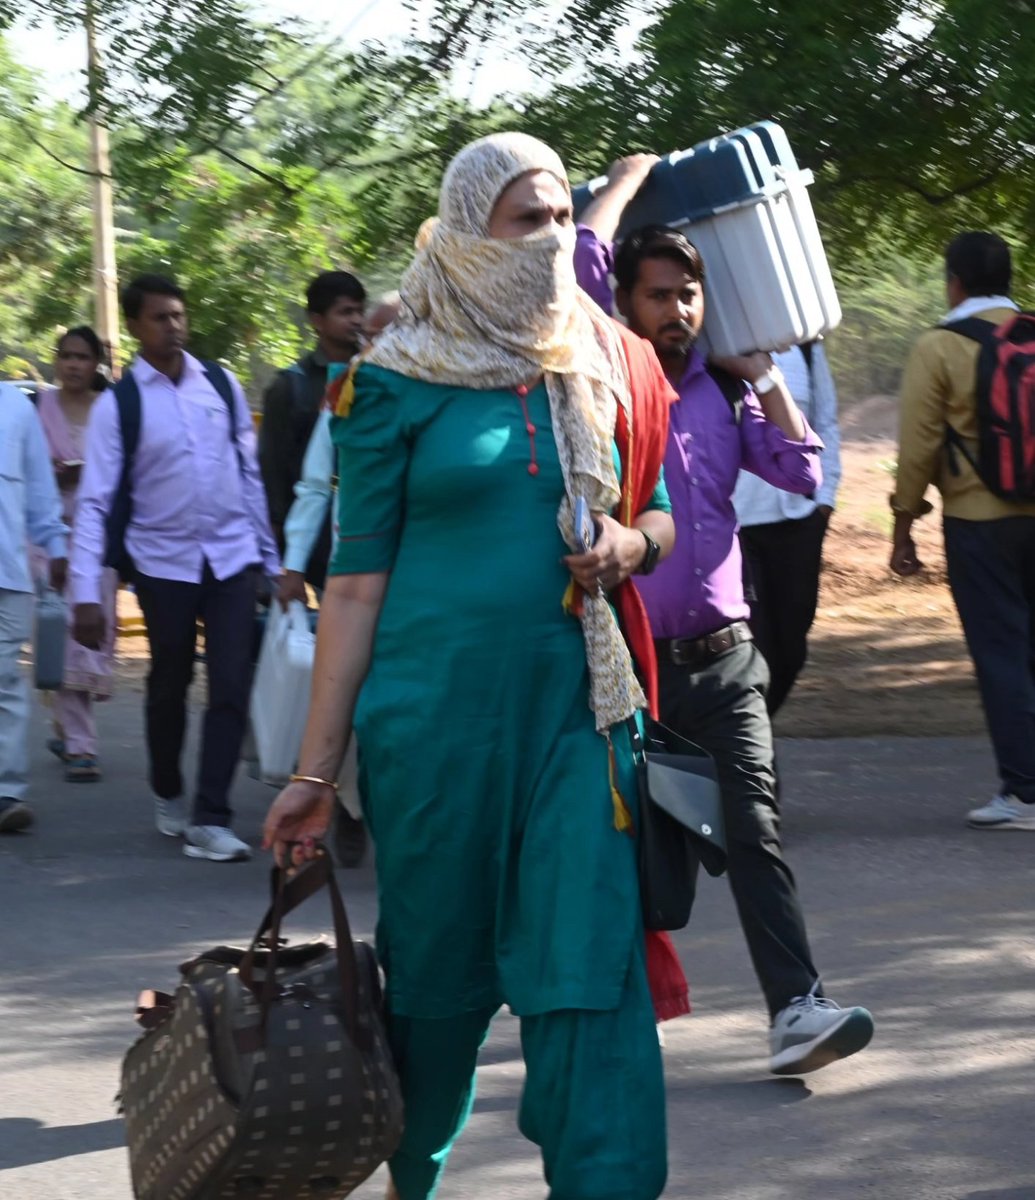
616	554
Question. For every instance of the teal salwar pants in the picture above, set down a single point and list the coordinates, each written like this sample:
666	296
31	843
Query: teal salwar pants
594	1097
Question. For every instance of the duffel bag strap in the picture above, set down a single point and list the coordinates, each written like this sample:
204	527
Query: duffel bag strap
289	894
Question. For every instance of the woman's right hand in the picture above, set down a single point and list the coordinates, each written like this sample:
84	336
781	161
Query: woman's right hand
296	822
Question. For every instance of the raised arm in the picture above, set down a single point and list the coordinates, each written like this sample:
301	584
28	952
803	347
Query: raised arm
625	177
599	223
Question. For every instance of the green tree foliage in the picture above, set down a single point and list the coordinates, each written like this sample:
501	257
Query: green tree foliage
918	115
248	156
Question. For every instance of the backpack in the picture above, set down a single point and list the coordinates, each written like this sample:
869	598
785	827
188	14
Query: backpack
1004	393
127	400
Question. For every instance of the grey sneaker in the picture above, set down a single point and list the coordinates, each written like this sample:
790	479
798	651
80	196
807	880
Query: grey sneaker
216	843
812	1032
171	816
1003	812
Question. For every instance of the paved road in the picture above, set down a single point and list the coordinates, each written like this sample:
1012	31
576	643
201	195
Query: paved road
911	914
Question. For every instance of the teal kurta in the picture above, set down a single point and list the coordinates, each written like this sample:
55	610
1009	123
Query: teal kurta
502	878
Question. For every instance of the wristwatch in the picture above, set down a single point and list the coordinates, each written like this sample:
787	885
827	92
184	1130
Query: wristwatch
766	383
651	555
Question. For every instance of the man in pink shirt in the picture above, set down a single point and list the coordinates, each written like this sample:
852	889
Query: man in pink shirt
190	526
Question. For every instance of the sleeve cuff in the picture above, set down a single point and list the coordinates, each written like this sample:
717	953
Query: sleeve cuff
58	546
294	560
919	508
777	440
86	592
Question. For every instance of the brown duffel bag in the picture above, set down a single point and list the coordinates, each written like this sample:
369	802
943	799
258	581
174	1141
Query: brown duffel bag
268	1073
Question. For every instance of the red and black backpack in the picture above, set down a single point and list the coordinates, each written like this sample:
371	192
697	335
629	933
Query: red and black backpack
1005	395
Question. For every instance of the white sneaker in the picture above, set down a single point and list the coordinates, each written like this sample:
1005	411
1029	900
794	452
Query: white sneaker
1003	812
216	843
171	816
812	1032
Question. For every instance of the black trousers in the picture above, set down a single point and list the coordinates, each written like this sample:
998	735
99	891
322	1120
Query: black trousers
171	611
781	576
722	708
992	576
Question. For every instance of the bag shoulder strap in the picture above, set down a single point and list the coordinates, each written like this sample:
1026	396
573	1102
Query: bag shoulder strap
298	377
127	401
220	380
976	329
806	349
732	390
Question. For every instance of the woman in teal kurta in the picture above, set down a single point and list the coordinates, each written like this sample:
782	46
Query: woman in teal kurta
504	873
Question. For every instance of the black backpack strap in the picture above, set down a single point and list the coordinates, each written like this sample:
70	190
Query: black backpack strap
299	380
732	389
127	401
806	349
220	380
977	329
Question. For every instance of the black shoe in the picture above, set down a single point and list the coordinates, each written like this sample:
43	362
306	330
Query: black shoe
15	815
348	838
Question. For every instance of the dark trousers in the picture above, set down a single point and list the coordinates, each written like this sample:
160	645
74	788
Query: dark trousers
171	611
721	706
992	577
781	573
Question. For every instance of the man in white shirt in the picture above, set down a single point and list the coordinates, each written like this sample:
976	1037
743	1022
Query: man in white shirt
194	533
782	534
30	511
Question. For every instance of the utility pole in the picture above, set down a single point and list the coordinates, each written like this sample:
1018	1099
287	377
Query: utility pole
105	271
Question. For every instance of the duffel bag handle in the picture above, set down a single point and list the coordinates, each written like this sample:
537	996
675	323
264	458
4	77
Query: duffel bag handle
289	894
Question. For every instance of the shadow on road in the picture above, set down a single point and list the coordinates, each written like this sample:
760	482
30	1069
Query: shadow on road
24	1141
1024	1193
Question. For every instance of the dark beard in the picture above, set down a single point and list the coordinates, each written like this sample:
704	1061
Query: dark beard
673	357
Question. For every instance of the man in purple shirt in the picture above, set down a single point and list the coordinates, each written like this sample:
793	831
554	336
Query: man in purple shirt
732	413
198	538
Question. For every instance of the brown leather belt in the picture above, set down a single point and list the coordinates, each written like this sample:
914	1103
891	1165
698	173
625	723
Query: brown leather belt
696	652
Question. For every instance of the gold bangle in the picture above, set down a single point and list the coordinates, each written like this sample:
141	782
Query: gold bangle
314	779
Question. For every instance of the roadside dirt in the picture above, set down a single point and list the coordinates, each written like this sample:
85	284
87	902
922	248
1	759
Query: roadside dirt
886	655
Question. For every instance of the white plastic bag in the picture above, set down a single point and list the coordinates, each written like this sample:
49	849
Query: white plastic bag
280	696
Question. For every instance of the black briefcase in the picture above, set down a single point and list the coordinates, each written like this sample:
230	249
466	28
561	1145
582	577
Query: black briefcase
681	825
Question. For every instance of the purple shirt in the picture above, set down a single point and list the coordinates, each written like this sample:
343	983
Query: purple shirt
699	588
197	497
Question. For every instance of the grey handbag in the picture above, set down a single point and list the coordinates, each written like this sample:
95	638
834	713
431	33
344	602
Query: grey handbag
681	825
268	1073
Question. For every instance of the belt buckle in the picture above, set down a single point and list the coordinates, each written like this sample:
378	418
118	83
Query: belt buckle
720	641
682	651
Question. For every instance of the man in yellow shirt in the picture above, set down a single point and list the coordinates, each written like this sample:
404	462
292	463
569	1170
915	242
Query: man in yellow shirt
989	541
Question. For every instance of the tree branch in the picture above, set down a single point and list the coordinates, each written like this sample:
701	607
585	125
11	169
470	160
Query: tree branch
58	159
279	183
935	199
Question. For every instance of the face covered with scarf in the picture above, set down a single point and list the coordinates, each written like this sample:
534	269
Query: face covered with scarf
485	313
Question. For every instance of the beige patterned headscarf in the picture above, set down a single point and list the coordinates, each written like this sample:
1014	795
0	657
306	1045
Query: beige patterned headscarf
490	313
